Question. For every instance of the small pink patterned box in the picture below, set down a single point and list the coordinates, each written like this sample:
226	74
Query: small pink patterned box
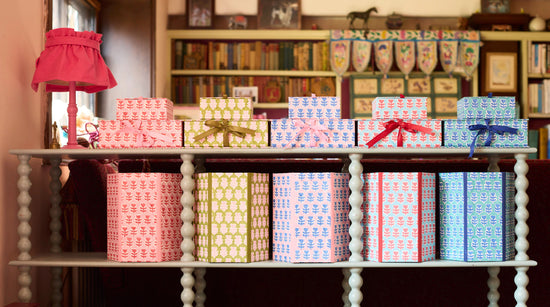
399	133
400	107
232	217
399	217
143	217
140	134
310	217
144	109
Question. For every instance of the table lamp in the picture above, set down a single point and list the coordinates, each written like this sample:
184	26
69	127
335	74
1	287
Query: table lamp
71	62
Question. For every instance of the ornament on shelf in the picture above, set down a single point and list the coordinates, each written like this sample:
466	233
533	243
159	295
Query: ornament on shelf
360	15
537	24
394	21
238	22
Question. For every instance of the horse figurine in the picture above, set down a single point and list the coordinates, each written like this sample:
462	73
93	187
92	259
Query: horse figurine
360	15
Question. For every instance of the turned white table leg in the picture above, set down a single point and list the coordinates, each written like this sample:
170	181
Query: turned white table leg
356	231
522	230
55	230
24	228
200	285
494	282
345	285
493	164
187	229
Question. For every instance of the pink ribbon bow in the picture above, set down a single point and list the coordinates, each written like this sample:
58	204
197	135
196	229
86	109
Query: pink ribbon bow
314	128
144	138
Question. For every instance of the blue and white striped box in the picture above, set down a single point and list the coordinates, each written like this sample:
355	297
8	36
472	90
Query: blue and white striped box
311	132
486	107
477	216
314	107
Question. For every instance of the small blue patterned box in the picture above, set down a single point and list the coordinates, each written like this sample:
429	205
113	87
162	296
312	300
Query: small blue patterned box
477	216
312	133
314	107
461	133
486	107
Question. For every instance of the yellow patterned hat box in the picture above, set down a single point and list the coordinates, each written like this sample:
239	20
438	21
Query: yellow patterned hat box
232	217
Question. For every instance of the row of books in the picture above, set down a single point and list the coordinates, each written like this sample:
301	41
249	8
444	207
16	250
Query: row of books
539	58
255	55
539	97
188	90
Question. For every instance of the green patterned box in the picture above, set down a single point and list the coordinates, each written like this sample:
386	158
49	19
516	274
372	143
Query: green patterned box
232	217
232	108
253	133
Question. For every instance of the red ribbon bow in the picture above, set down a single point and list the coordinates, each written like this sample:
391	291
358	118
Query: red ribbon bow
392	125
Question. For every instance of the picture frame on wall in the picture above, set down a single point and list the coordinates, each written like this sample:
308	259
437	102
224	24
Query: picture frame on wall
279	14
200	13
495	6
501	72
246	91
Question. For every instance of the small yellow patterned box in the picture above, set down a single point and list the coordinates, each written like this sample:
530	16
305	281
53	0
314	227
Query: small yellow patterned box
232	217
252	133
231	108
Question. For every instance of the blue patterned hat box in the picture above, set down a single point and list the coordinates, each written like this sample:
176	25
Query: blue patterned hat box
477	216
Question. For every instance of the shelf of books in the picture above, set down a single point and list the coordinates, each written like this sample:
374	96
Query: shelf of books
539	79
268	65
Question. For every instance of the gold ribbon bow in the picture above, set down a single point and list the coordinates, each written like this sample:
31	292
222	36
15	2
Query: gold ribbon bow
224	127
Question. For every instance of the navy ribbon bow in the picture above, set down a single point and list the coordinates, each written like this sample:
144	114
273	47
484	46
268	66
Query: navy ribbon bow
491	129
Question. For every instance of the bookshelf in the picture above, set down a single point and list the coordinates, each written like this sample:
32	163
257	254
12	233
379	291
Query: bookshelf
281	63
526	76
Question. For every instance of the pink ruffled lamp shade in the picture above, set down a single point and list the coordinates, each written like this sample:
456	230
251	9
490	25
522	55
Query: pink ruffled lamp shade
71	62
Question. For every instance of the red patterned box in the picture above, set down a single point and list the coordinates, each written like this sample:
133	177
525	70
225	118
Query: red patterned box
140	134
144	109
399	217
143	217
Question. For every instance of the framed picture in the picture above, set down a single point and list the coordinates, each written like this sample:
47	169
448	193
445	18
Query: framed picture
279	14
246	91
200	13
495	6
501	72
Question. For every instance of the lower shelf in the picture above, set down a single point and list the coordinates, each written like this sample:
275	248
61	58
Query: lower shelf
100	260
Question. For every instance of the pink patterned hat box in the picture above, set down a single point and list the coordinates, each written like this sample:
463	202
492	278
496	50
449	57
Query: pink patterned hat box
143	217
310	217
400	107
427	134
140	134
232	217
399	217
144	109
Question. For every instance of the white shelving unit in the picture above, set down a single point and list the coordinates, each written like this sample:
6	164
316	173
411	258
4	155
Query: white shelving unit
193	271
